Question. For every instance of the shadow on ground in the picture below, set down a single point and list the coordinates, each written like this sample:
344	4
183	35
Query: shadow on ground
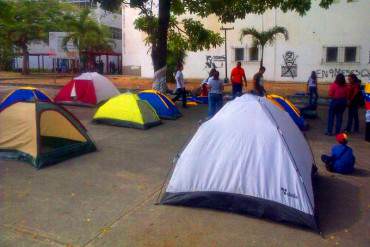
337	201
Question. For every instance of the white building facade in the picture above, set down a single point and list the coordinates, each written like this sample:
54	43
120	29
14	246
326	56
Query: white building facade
328	41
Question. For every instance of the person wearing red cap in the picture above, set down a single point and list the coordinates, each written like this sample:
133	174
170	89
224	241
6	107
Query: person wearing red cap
342	159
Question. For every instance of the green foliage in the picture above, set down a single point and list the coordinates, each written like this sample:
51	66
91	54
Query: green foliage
6	54
6	49
25	21
184	35
264	37
86	33
230	10
191	35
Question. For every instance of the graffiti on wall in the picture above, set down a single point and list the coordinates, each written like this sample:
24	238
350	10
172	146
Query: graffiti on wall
214	61
289	69
333	72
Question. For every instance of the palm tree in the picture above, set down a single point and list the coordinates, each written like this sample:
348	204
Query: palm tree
87	35
264	37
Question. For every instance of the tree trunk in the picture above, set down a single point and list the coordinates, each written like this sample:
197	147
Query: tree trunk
26	59
159	48
261	63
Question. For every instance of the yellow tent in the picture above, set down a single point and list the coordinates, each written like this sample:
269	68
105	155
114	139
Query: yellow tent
41	133
127	110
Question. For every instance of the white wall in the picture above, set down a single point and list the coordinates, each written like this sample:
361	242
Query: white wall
134	52
111	20
343	24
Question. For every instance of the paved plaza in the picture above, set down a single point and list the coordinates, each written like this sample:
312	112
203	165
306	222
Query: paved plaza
107	198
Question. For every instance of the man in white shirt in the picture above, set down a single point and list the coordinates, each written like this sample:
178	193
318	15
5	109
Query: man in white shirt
180	86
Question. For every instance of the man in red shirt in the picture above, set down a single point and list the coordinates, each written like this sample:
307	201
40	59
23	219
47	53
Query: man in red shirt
237	77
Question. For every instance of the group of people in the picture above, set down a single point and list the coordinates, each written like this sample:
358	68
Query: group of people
238	77
215	86
343	95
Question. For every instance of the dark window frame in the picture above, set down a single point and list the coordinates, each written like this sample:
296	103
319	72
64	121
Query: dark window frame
237	56
329	58
253	54
350	57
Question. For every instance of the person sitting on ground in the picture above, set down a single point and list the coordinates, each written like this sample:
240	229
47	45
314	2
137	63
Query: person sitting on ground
258	88
342	159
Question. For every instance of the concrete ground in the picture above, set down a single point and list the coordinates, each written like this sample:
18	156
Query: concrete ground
107	198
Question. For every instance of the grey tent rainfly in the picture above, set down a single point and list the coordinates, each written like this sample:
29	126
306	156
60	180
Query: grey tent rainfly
250	158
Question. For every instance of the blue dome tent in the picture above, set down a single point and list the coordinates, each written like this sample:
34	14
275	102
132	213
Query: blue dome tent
163	105
28	94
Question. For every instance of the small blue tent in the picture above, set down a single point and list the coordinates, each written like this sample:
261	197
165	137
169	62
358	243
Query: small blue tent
163	105
24	94
199	99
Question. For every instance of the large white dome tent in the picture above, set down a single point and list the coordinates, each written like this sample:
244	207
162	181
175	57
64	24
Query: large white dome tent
250	158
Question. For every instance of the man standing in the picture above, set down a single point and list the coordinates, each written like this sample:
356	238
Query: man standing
180	86
258	88
237	77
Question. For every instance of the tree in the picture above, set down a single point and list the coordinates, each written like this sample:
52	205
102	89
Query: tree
25	21
6	48
227	11
263	38
6	54
87	35
187	35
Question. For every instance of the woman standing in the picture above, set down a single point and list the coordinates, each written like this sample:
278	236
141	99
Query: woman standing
312	89
354	99
215	87
338	93
180	86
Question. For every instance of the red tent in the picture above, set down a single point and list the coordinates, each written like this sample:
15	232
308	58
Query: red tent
87	89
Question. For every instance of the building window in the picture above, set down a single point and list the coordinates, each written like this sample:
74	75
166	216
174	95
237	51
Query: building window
331	54
253	54
347	54
350	54
116	33
239	54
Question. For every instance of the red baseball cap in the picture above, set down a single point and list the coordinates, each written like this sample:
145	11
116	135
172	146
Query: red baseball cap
342	138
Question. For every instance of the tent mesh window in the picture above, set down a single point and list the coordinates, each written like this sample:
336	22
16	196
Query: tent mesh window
54	137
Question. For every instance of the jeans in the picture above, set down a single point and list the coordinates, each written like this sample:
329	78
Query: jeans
180	92
336	110
237	90
328	160
214	103
352	115
313	96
